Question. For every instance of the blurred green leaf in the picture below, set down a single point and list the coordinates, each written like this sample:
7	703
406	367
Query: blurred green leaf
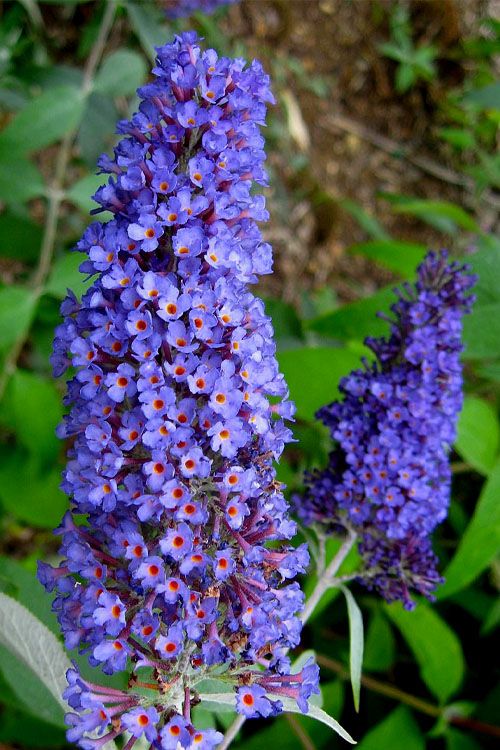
20	238
96	132
458	137
29	732
481	541
80	193
492	620
356	644
29	494
276	734
485	263
478	438
380	647
286	323
487	96
44	120
32	409
65	275
312	375
399	731
402	257
482	332
442	215
435	646
148	23
121	73
17	306
456	740
357	319
370	225
20	180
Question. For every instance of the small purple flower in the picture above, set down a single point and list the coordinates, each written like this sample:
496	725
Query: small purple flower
121	383
148	232
142	721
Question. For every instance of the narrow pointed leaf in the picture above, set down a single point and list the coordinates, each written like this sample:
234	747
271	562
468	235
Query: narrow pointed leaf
356	637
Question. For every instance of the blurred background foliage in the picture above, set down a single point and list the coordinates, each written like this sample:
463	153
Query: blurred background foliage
384	142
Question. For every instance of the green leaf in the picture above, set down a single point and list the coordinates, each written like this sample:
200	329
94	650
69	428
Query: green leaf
380	647
486	264
492	620
356	640
20	238
402	257
435	646
366	221
28	731
20	180
32	409
399	731
65	275
30	693
17	307
29	641
44	120
482	332
121	73
148	23
286	323
458	137
442	215
356	320
213	701
487	97
312	375
80	193
29	494
28	591
478	438
96	132
456	740
406	76
481	541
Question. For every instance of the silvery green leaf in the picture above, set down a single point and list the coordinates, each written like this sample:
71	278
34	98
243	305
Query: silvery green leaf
34	645
216	701
356	644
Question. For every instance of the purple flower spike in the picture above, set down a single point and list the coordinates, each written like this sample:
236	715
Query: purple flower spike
170	575
389	474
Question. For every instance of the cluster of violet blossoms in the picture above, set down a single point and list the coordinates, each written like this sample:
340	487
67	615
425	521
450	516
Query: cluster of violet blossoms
169	576
389	475
183	8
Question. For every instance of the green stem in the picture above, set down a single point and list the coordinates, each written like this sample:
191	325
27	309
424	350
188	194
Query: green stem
55	194
327	579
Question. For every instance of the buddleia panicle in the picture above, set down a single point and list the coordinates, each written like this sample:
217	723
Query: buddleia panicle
389	474
166	572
